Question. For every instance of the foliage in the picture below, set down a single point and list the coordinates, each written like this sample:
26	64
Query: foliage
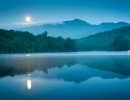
113	40
24	42
119	43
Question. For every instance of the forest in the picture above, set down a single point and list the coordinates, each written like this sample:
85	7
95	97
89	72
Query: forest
12	41
24	42
113	40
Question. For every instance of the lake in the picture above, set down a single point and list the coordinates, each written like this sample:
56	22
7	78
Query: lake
65	76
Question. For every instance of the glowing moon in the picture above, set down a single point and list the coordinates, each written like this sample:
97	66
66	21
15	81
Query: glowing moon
28	19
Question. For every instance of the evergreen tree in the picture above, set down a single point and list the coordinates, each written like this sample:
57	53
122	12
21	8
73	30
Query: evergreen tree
119	43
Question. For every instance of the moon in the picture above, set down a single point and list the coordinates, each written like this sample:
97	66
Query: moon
28	19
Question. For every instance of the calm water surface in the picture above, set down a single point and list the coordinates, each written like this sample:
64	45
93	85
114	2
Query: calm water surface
65	76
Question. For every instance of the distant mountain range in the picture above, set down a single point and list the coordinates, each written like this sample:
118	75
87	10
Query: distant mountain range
73	28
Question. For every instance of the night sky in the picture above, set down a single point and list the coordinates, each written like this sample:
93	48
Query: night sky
93	11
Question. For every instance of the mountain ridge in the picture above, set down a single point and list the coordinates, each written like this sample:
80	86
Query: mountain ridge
76	28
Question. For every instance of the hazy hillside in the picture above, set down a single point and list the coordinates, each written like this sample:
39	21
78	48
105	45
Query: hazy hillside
117	40
73	28
25	42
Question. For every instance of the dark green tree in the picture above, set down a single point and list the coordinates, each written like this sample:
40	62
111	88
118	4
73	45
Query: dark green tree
119	43
24	42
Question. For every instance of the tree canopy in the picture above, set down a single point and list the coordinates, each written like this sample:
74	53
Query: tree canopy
24	42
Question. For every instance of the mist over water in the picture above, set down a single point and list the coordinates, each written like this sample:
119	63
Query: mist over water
56	76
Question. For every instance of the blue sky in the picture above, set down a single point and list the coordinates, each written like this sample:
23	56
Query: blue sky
92	11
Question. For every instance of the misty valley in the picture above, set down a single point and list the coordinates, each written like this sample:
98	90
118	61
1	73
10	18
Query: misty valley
47	67
64	49
12	41
37	67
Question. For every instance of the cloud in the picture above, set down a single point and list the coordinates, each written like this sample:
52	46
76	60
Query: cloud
17	25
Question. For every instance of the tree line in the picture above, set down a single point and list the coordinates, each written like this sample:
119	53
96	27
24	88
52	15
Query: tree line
113	40
24	42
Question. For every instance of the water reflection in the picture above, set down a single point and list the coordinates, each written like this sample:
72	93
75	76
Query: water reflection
20	64
65	77
29	84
